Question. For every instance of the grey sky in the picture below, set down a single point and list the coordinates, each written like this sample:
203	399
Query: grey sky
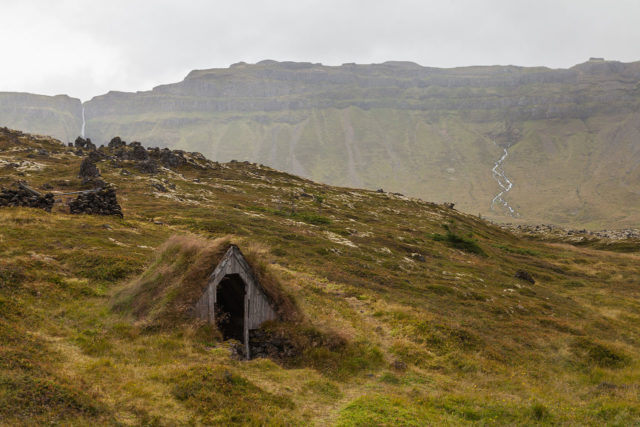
87	47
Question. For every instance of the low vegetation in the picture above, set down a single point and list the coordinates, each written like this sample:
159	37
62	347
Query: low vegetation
396	327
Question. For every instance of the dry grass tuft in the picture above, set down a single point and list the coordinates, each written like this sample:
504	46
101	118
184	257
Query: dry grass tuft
257	256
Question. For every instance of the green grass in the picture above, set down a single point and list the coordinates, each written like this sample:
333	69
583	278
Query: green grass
221	397
478	346
457	241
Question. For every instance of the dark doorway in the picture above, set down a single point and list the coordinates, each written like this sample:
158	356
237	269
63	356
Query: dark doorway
229	309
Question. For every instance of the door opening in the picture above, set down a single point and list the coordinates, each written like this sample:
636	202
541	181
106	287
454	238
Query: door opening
229	308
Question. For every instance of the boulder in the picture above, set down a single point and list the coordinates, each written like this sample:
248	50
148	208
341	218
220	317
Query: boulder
148	166
139	154
84	143
116	142
524	275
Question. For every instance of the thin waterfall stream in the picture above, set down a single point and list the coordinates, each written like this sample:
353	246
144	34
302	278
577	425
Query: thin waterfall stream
84	123
505	184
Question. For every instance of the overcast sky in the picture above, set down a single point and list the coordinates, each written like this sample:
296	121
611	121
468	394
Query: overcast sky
86	47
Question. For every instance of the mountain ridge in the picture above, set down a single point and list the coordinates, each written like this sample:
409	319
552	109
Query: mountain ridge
428	132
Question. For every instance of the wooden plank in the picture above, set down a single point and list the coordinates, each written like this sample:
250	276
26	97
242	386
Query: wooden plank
211	304
246	322
29	189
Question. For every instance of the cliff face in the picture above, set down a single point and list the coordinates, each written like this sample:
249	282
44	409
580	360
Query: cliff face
440	134
479	93
58	116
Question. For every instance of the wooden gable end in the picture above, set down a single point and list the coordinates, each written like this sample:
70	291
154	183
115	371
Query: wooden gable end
257	306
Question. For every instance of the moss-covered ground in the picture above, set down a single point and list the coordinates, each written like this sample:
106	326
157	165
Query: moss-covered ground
437	329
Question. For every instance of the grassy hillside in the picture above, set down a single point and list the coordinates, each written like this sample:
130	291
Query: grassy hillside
412	313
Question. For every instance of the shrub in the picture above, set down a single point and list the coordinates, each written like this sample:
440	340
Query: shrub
10	276
312	218
454	240
601	355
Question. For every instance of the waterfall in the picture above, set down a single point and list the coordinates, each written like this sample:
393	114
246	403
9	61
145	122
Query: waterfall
83	123
504	183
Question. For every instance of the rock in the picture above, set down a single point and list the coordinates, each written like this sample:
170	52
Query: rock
524	275
99	183
139	153
100	202
84	143
149	166
159	187
264	344
449	205
171	159
80	142
116	142
418	257
23	197
379	190
88	169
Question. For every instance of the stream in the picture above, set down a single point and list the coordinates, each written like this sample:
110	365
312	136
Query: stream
83	123
504	183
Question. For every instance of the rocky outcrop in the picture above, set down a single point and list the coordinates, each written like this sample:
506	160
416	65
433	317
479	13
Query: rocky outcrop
148	160
81	142
551	231
116	142
482	93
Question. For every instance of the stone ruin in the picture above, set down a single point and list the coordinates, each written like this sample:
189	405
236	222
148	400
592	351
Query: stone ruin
96	202
27	197
88	169
84	143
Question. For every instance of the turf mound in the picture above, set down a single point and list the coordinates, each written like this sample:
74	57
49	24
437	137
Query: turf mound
166	293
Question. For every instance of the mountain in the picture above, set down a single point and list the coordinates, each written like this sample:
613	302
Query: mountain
409	313
570	135
58	116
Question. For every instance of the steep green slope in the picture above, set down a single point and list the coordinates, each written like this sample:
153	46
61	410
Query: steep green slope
571	134
58	116
434	327
427	132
